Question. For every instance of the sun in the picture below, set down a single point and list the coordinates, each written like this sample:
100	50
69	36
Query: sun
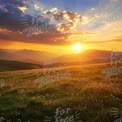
77	47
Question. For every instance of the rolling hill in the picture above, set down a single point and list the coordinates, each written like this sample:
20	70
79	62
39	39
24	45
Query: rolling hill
16	65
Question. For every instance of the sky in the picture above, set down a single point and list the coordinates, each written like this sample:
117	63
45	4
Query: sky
56	25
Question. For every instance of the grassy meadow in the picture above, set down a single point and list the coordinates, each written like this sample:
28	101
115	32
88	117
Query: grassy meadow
86	91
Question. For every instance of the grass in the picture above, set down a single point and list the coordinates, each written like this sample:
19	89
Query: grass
86	91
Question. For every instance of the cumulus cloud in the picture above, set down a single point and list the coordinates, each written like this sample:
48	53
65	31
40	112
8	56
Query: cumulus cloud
17	15
52	11
62	21
65	20
11	26
53	25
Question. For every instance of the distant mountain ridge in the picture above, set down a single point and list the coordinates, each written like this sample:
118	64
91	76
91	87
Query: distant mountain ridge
30	56
38	57
28	59
88	55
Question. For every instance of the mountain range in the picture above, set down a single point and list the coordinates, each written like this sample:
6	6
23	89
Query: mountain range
31	59
38	57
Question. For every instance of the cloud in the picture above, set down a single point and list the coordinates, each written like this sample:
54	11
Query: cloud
20	14
65	27
43	38
12	26
10	14
52	11
3	9
104	41
54	26
23	8
65	20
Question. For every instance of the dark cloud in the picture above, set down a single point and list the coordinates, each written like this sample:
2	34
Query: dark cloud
10	14
44	38
11	17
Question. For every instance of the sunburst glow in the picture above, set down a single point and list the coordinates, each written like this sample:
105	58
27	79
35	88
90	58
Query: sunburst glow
77	47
